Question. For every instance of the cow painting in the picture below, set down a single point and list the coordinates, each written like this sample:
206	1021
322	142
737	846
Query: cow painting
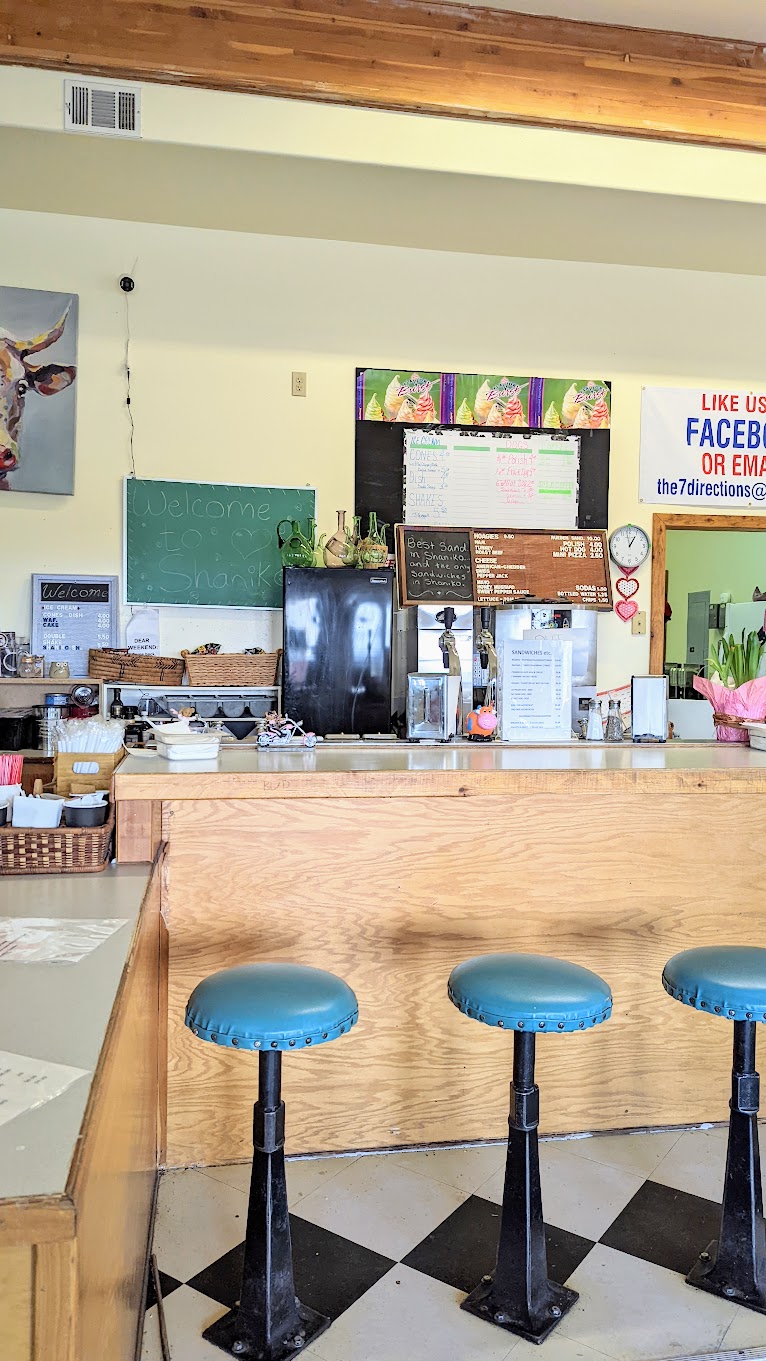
36	452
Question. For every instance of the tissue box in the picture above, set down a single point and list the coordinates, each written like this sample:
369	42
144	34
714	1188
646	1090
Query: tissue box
31	812
83	772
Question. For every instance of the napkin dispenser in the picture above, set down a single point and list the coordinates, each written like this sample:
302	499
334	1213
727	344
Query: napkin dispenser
649	708
433	706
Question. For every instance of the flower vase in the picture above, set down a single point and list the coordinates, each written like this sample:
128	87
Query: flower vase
733	708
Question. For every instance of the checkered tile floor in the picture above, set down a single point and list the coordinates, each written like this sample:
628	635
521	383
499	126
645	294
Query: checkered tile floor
388	1245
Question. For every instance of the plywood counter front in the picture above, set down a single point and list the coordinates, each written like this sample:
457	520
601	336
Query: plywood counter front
388	865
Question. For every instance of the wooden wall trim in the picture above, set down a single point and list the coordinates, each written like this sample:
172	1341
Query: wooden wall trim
36	1219
661	523
414	55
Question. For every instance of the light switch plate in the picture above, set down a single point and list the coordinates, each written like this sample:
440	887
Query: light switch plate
638	622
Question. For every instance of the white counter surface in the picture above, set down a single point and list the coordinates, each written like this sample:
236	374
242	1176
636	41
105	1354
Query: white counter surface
60	1012
337	758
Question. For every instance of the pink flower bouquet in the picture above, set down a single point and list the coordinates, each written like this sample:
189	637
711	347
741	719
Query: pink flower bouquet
744	703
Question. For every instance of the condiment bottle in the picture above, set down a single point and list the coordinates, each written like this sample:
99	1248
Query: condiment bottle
115	708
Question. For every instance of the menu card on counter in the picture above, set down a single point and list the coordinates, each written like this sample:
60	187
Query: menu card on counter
536	691
569	567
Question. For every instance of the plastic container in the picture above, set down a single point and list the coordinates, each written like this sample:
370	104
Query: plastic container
85	815
233	706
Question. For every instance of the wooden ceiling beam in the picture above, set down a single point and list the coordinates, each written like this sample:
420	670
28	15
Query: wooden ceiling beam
412	55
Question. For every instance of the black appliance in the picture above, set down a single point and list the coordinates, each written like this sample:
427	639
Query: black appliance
337	649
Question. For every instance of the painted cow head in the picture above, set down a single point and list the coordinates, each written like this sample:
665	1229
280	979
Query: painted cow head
17	378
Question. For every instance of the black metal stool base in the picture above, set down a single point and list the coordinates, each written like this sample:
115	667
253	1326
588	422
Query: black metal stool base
519	1296
535	1325
310	1325
269	1323
734	1266
706	1275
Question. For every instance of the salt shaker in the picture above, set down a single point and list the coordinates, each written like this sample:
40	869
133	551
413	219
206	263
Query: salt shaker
595	723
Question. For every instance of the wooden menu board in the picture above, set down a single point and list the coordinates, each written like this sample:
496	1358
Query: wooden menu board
567	566
504	566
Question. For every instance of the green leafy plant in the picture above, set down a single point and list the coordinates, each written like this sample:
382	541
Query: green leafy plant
734	663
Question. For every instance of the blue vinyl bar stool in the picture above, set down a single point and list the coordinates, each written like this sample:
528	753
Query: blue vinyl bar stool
730	981
530	995
269	1008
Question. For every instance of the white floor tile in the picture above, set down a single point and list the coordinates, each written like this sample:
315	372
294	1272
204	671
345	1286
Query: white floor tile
187	1314
637	1153
304	1175
631	1310
464	1168
198	1220
557	1348
747	1330
382	1206
409	1317
582	1196
696	1163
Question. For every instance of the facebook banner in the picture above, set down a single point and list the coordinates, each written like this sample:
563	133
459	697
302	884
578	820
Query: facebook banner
703	447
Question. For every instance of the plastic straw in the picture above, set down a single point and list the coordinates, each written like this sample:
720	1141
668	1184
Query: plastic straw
10	769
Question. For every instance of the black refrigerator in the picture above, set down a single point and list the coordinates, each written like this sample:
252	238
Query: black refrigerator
337	649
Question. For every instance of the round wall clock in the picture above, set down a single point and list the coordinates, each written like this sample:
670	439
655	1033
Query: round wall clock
629	546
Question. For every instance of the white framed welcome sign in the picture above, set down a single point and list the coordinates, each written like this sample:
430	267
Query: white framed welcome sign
703	447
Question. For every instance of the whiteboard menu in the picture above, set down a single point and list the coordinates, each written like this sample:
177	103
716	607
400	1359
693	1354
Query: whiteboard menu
70	615
491	477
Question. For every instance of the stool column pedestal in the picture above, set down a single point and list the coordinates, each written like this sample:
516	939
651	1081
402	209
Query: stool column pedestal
519	1297
270	1324
734	1267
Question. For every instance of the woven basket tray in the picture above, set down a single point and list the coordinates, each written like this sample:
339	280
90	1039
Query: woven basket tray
117	664
233	668
59	850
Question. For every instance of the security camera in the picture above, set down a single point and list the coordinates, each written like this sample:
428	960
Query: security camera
127	284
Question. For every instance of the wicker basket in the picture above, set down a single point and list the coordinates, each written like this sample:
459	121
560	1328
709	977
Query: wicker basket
233	668
117	664
59	850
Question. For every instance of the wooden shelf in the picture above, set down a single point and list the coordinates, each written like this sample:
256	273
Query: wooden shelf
50	682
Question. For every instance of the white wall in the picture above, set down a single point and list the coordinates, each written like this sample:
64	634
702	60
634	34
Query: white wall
219	320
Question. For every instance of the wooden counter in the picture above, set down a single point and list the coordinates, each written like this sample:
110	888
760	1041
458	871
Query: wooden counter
389	865
77	1174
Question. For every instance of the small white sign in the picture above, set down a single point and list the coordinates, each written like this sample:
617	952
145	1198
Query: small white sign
703	447
142	632
26	1083
536	691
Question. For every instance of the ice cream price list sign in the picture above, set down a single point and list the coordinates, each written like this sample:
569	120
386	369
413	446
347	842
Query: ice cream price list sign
503	566
71	615
491	478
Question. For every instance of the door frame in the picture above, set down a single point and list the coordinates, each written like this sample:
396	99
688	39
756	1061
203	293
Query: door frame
661	523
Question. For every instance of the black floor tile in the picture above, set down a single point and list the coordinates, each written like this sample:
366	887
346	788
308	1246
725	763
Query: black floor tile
463	1249
668	1227
330	1272
167	1285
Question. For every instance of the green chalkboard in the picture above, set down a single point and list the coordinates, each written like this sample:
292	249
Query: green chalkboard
205	543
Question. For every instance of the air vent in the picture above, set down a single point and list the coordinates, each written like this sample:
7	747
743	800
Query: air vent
110	110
